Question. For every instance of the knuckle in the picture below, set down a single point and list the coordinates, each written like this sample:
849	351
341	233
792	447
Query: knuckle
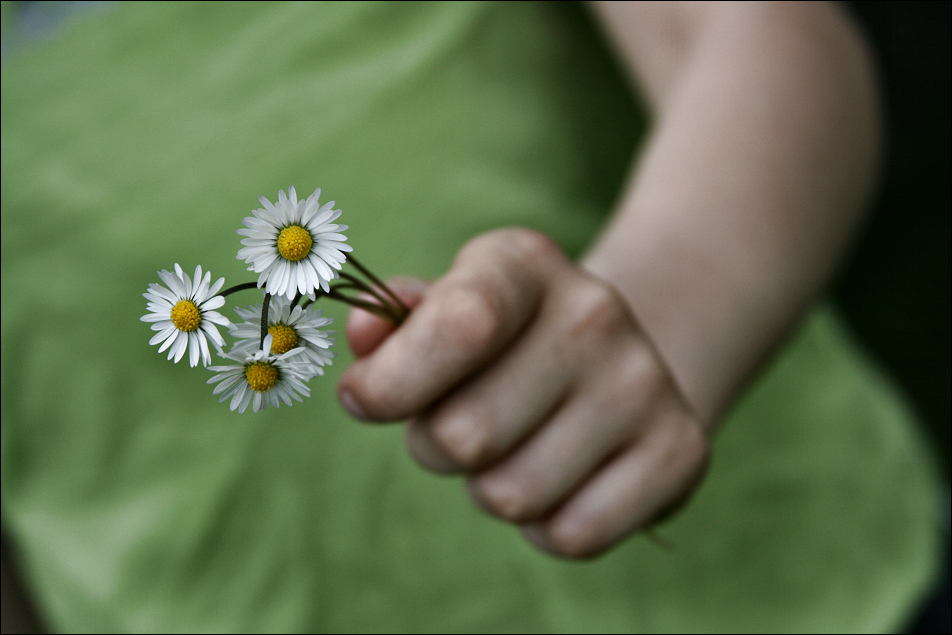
597	311
510	499
516	243
577	540
381	397
639	373
697	451
471	317
687	460
464	442
424	451
527	246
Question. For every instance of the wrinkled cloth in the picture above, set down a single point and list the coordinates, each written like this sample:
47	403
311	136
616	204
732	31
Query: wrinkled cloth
141	137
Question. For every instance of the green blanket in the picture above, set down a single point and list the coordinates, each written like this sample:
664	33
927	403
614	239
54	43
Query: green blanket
141	137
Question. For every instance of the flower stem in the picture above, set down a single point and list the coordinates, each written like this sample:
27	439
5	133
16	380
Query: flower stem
384	311
388	305
360	285
239	287
264	319
404	310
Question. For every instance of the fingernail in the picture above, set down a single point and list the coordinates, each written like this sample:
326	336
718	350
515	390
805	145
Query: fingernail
350	405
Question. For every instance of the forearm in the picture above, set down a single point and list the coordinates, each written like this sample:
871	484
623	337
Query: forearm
764	147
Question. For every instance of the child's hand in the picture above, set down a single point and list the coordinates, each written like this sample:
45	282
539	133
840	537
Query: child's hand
533	379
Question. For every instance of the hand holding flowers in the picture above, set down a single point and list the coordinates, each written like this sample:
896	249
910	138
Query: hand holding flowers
298	252
530	377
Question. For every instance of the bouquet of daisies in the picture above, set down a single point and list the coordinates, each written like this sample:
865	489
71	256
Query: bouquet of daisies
298	251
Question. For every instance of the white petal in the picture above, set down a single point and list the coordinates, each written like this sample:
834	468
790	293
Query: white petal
201	290
213	303
254	235
240	399
277	282
216	318
186	281
323	271
264	261
213	333
195	349
206	354
196	283
164	334
266	203
180	346
174	284
170	341
327	237
272	216
302	281
266	345
324	215
160	292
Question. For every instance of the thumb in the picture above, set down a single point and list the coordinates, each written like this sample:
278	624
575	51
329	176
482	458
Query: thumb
366	331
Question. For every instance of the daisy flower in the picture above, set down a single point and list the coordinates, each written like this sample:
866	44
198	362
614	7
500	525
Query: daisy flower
289	328
262	378
184	315
294	245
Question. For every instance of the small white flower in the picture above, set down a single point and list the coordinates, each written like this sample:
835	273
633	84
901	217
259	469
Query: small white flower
184	314
262	378
294	245
289	328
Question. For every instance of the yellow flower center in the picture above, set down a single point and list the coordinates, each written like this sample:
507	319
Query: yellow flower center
261	376
294	242
186	316
284	338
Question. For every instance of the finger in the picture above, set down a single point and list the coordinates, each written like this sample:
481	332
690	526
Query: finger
484	419
628	493
608	409
464	320
366	331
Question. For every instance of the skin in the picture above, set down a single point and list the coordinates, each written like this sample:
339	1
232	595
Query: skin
577	399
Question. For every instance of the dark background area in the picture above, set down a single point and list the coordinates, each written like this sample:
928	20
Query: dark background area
895	287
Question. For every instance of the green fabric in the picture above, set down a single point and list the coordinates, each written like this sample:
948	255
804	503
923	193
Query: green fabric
141	137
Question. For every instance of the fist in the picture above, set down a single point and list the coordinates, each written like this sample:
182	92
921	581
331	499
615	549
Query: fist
533	380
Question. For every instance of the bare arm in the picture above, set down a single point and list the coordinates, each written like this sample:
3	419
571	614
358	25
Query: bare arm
765	144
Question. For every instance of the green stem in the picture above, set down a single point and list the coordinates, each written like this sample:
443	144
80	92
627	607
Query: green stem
404	309
360	285
264	319
239	287
370	307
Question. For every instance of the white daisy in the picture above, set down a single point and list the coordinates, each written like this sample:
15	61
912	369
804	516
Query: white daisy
294	245
184	314
289	328
262	378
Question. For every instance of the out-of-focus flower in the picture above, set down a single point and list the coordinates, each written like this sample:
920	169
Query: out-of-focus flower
289	328
262	379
